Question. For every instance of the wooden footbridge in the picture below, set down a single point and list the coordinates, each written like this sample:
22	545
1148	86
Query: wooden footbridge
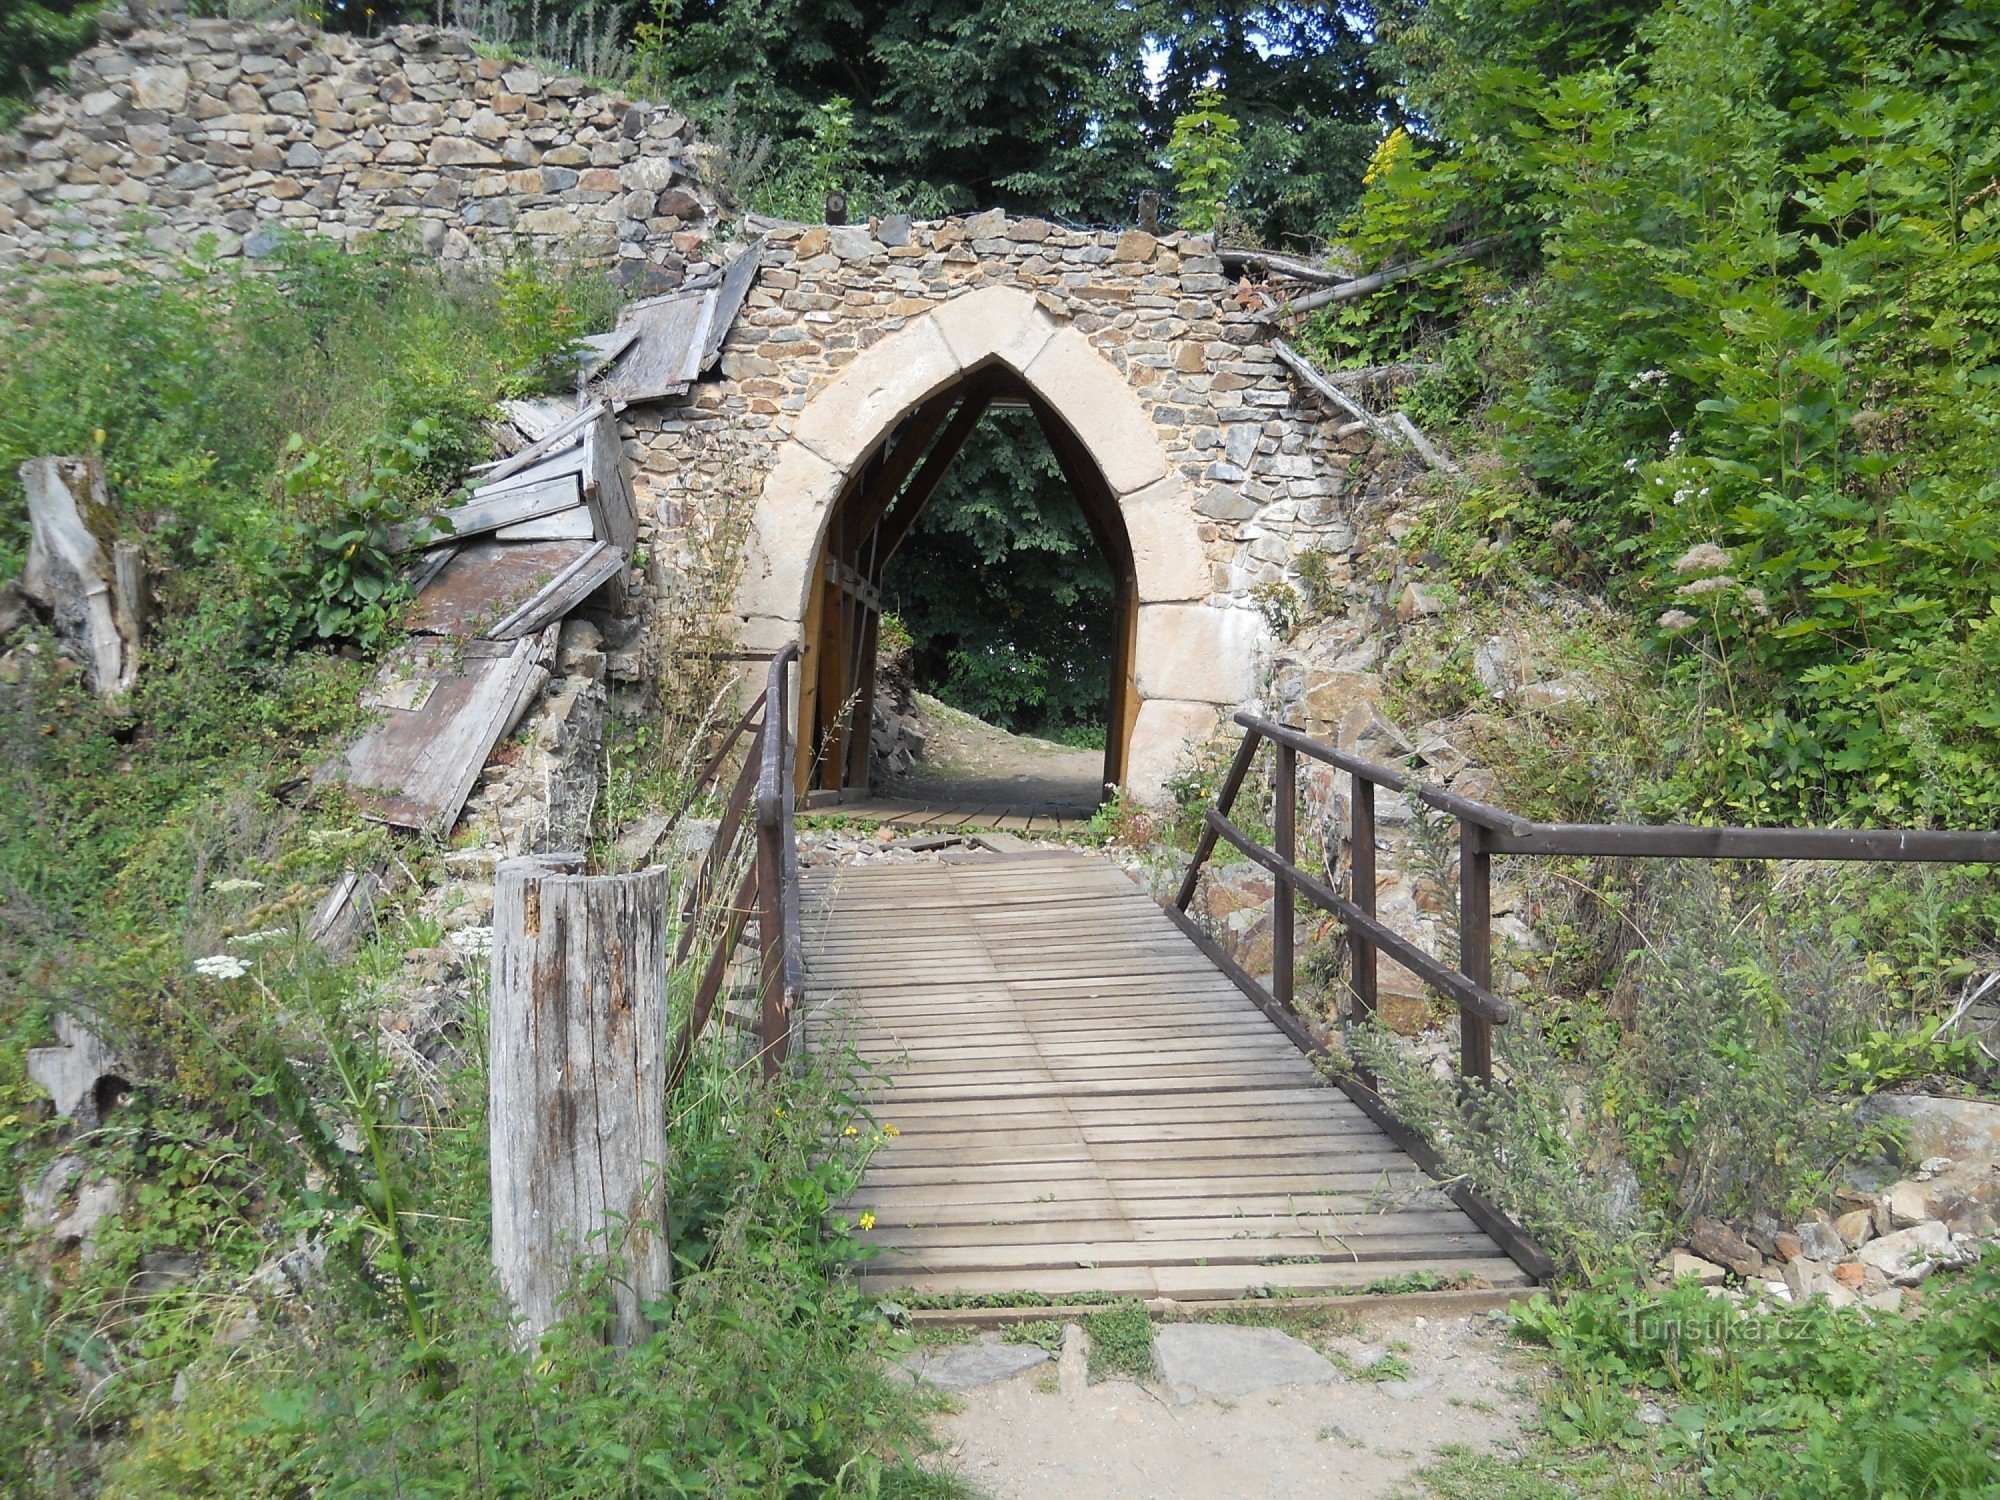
1086	1103
1083	1095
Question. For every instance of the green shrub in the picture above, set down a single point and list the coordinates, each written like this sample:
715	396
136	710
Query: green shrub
1755	279
1778	1403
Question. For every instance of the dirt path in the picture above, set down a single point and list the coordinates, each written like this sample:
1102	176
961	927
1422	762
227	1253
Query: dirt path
967	759
1452	1382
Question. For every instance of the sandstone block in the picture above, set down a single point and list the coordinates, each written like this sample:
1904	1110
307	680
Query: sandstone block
1168	558
1090	394
846	419
994	322
1164	735
160	88
1134	246
1199	653
784	538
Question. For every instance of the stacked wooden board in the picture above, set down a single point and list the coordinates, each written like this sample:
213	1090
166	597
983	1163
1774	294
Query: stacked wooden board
544	529
1085	1104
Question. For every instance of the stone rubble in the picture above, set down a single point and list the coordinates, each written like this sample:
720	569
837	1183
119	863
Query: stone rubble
1881	1249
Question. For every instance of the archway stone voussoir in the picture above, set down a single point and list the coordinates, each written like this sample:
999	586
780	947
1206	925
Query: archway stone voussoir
1163	735
842	422
994	322
1167	554
798	492
1088	393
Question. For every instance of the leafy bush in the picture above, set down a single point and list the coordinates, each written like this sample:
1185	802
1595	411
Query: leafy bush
1727	1096
1740	370
1790	1402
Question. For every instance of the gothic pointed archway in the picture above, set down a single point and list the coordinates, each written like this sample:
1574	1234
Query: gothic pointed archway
853	476
877	510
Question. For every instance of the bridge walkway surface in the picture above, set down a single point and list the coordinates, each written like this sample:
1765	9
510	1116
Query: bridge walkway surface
1084	1103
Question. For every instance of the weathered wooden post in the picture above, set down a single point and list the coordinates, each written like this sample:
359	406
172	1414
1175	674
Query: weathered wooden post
578	1058
96	602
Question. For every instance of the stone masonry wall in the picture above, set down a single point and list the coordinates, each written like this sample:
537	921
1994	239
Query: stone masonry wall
230	131
1260	473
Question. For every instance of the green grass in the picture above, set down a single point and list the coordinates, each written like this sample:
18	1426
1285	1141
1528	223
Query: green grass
1789	1402
1121	1342
139	839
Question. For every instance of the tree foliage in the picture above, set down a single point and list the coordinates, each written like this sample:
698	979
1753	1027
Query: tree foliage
36	38
1003	591
1748	365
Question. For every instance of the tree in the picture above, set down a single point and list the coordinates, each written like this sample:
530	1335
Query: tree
1002	589
1034	105
1304	87
36	38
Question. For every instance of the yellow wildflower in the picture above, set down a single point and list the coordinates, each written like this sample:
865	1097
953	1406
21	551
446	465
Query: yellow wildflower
850	1131
891	1131
867	1221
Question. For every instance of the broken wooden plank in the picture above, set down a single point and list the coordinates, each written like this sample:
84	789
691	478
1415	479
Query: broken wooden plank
345	912
680	334
488	581
572	525
663	358
736	283
418	765
562	435
558	486
607	487
602	564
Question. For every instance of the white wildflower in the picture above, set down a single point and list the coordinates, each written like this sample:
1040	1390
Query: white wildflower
473	942
1674	443
1676	619
1703	557
221	966
1631	466
236	886
1645	378
256	939
1754	597
1714	584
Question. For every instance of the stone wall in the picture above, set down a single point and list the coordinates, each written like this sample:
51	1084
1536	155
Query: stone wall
1224	474
1161	364
231	131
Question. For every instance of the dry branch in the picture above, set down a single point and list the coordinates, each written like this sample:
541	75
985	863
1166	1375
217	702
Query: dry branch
1363	286
1282	265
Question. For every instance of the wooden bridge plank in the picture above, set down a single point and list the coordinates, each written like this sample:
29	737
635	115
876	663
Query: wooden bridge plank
1084	1103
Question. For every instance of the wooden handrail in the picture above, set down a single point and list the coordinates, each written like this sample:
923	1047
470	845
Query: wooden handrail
1484	831
761	801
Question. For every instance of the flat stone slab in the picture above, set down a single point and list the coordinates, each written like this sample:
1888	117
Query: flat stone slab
964	1367
1219	1359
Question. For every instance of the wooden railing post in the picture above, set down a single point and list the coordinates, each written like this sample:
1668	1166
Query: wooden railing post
771	937
1475	947
1361	883
777	866
578	1098
1225	799
1285	835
